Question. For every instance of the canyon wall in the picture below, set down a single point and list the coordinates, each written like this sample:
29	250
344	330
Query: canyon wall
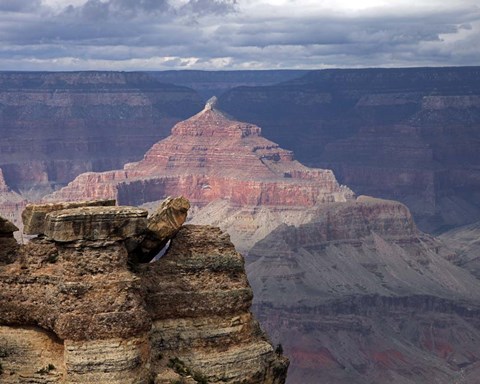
55	126
409	134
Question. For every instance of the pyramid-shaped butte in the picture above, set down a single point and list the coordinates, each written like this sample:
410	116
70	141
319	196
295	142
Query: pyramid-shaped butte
208	157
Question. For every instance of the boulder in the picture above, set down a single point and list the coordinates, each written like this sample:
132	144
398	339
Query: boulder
95	223
33	216
162	226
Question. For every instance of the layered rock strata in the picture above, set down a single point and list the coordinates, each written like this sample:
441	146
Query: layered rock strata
360	295
75	307
409	134
57	125
211	157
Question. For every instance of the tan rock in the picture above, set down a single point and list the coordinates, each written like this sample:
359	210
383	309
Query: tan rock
163	225
92	317
169	217
34	214
95	223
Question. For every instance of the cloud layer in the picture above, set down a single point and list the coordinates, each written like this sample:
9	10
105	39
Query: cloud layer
236	34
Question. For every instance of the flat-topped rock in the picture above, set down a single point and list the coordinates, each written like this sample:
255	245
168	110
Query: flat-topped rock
34	215
95	223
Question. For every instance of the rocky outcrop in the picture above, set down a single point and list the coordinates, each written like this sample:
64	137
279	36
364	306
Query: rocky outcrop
360	295
8	245
162	226
408	134
34	216
58	125
77	308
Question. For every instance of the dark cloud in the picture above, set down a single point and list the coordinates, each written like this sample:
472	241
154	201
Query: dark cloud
19	5
156	34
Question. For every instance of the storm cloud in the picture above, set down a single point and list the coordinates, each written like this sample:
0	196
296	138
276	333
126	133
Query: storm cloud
236	34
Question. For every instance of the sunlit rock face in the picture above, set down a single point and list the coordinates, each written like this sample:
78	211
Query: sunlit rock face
78	307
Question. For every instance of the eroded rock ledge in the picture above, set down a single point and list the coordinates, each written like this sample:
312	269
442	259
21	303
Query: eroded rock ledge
78	306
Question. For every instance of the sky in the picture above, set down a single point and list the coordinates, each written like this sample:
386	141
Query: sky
237	34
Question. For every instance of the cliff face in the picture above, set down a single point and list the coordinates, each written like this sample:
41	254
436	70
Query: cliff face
76	307
360	295
404	134
57	125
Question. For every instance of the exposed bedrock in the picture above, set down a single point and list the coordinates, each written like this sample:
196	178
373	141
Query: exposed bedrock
77	308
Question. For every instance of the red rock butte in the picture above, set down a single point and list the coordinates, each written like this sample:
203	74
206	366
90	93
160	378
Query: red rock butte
211	156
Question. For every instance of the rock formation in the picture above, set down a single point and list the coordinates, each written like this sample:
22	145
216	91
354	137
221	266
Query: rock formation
359	295
408	134
75	307
349	286
211	158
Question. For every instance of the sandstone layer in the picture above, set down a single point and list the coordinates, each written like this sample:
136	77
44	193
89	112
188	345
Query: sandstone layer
409	134
359	295
76	308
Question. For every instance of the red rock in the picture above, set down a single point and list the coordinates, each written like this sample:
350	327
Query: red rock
209	157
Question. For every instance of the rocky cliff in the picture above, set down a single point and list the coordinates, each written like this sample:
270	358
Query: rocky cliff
359	295
407	134
57	125
76	306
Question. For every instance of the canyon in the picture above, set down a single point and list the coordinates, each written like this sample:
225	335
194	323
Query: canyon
407	134
346	283
77	307
212	159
